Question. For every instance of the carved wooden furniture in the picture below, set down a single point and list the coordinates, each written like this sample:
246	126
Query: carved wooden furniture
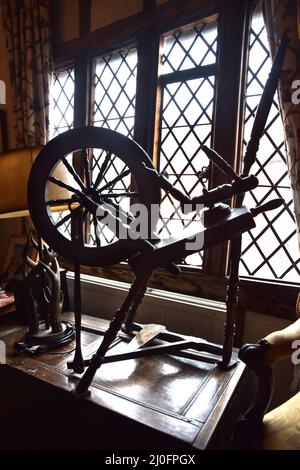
159	402
95	200
279	428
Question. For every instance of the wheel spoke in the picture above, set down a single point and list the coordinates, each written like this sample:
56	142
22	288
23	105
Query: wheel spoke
102	170
68	216
119	210
115	180
86	167
59	202
63	185
116	195
73	173
63	220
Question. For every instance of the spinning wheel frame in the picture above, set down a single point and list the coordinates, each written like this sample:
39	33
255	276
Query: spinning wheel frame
72	141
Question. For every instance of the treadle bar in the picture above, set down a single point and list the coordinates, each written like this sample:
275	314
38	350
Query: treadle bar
170	336
210	360
186	354
163	349
164	335
179	347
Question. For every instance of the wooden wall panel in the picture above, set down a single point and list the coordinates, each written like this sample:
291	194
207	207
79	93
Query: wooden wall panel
68	20
108	11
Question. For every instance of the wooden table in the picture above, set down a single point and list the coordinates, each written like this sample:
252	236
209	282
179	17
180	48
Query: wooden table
151	403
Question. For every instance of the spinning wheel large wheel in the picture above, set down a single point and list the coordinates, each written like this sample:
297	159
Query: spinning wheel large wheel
118	179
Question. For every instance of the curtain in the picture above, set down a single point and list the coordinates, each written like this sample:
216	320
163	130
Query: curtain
281	16
27	29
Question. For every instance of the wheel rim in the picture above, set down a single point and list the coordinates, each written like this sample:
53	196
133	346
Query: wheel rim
115	150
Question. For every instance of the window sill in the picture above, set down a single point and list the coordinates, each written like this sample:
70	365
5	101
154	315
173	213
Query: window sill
264	297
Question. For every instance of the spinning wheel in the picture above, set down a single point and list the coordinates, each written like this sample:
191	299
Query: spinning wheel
82	197
79	190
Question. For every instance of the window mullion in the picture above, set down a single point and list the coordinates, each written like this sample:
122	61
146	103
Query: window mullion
81	101
146	91
232	36
82	91
81	111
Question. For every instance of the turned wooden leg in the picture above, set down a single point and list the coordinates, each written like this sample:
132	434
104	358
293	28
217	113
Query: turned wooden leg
109	336
127	327
229	326
78	364
231	299
77	239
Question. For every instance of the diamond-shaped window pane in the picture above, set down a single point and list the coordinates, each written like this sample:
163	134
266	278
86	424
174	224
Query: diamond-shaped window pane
61	119
61	113
270	250
114	108
188	48
115	90
186	124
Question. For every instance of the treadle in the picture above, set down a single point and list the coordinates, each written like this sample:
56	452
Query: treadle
165	342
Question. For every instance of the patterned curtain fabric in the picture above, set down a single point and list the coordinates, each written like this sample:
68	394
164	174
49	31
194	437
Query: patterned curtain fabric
27	27
281	16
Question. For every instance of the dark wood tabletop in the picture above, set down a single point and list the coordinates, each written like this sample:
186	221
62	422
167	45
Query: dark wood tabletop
153	402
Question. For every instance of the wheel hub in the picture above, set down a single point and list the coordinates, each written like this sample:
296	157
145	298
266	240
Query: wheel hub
93	194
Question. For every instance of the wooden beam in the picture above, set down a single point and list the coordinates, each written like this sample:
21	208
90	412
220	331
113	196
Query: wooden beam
55	25
84	17
164	17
